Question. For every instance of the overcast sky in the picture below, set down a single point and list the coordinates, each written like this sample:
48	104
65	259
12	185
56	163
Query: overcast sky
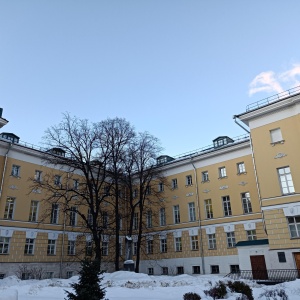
177	69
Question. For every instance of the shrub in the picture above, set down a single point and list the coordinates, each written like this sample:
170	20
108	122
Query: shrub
276	294
191	296
241	287
218	291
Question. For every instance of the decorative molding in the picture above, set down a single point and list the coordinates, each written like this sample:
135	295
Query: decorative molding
243	183
13	187
280	155
189	194
223	187
206	191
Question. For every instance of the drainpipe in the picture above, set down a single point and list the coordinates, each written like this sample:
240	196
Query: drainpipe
63	237
199	218
4	168
255	172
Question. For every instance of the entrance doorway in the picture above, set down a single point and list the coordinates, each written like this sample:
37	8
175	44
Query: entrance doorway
259	269
297	261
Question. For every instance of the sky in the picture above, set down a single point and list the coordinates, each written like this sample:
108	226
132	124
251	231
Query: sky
179	69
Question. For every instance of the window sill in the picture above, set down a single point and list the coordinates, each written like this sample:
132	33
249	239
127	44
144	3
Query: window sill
224	177
174	188
278	142
187	185
204	181
241	173
15	176
29	254
51	254
212	248
4	253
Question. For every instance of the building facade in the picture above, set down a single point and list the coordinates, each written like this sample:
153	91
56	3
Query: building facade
232	206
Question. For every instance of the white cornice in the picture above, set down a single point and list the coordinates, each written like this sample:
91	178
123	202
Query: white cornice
268	109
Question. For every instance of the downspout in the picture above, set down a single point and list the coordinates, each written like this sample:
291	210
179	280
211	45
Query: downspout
199	218
4	168
63	237
255	171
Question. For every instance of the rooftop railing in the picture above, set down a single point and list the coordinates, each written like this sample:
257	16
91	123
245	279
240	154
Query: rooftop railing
209	148
274	98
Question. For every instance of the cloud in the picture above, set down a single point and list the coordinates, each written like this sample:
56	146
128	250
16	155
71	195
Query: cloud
271	82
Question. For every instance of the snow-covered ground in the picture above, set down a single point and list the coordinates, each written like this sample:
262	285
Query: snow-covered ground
128	285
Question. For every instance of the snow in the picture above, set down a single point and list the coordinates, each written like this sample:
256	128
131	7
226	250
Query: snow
124	285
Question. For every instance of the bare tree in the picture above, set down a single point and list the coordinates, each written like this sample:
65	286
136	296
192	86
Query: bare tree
141	172
76	152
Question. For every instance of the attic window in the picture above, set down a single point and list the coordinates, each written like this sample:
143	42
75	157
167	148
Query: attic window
10	137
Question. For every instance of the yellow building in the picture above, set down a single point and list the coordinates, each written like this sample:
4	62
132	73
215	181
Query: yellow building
230	206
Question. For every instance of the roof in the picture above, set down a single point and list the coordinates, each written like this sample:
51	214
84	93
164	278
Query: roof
252	243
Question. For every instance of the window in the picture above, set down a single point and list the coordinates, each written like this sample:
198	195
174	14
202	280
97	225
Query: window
162	216
38	175
281	257
104	219
29	246
214	269
196	269
51	249
251	235
150	271
234	269
164	271
73	216
178	244
180	270
49	275
163	246
149	247
148	190
9	208
176	213
208	209
134	252
89	217
26	275
120	248
246	201
276	135
57	180
194	243
71	247
75	184
294	226
205	176
88	248
69	274
189	180
174	183
135	193
241	168
226	206
161	187
230	239
136	221
286	181
149	218
222	172
120	221
54	214
15	171
192	212
104	248
33	211
212	242
4	245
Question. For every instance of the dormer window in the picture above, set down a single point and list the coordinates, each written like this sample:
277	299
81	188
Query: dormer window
10	137
57	151
222	141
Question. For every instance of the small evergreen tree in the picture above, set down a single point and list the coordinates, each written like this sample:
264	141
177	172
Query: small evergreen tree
88	286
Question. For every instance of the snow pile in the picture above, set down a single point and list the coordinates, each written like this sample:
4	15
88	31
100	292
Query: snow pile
129	285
